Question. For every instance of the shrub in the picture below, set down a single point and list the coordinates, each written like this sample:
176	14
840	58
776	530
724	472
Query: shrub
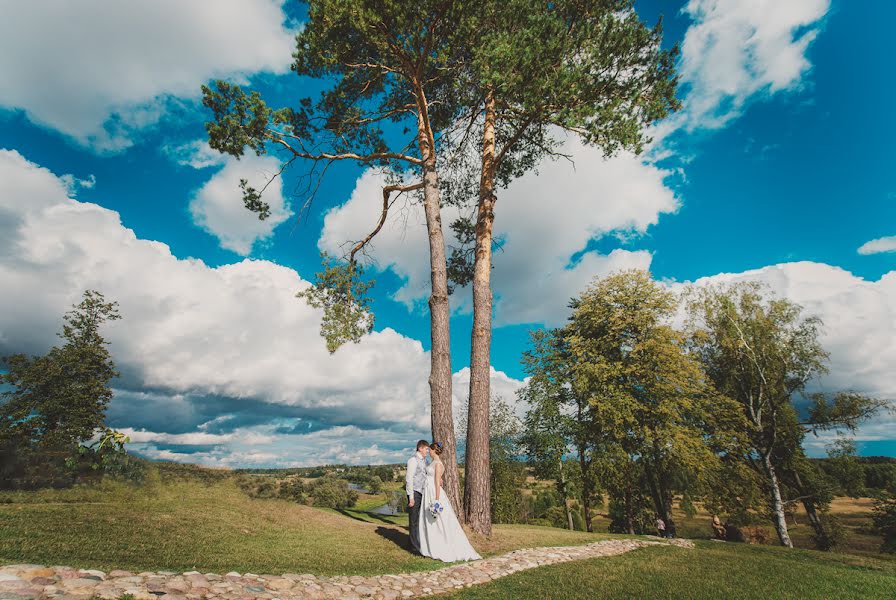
398	502
293	490
329	492
375	485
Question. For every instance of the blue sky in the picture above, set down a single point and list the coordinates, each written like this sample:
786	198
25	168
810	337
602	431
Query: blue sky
779	168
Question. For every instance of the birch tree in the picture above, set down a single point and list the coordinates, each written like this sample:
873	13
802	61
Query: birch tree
762	352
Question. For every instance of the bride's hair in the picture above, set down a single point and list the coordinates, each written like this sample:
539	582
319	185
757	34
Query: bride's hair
437	448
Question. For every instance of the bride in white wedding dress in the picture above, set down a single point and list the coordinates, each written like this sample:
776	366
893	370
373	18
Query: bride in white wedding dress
441	537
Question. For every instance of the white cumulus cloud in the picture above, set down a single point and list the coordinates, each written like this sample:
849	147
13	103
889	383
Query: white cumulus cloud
737	49
100	71
543	219
235	331
222	366
218	206
879	245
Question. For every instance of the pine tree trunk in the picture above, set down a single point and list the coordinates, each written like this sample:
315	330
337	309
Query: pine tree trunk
440	354
780	519
477	485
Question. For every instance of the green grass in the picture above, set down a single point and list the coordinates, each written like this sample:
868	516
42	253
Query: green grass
185	524
712	570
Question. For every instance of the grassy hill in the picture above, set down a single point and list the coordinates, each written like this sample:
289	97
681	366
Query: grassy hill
713	570
184	519
208	524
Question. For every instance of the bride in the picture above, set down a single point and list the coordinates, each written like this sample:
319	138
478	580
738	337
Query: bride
441	536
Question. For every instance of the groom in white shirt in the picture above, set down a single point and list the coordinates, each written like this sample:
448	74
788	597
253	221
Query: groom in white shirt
414	482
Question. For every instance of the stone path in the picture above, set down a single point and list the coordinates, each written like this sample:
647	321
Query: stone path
20	582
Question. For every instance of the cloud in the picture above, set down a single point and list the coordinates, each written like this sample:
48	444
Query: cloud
218	208
739	49
878	246
191	335
221	366
100	71
544	219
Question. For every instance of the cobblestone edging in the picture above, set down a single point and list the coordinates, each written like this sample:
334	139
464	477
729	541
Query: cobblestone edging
20	582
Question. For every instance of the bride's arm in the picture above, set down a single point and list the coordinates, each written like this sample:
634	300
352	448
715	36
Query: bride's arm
439	470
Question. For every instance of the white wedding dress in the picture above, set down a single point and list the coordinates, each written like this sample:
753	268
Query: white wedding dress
442	537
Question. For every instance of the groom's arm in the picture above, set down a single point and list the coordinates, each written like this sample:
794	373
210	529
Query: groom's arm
409	480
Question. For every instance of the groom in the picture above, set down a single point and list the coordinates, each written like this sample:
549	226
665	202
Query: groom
414	482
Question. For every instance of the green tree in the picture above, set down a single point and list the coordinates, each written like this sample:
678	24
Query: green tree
559	420
762	352
659	418
536	72
391	66
57	401
330	492
548	434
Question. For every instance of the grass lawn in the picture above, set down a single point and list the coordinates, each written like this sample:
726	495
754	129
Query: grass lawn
713	570
213	526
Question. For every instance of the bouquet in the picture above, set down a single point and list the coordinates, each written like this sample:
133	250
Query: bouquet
435	509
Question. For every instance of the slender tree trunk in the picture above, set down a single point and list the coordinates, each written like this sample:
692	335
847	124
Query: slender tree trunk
629	510
440	354
564	495
587	490
809	505
662	497
779	517
661	503
477	485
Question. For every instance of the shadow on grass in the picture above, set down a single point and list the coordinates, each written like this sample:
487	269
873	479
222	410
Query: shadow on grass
399	538
365	517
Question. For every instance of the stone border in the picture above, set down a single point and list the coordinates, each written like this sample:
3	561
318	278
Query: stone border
22	582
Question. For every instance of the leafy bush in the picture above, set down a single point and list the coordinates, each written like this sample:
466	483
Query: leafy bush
292	489
375	485
329	492
398	502
258	486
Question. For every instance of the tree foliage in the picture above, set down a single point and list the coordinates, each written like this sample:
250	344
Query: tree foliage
55	402
660	419
762	352
342	294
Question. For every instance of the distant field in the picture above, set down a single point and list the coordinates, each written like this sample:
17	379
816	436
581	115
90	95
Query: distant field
855	514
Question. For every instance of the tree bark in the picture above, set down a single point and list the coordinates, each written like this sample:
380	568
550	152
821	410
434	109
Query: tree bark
440	353
780	519
564	495
809	504
477	483
587	490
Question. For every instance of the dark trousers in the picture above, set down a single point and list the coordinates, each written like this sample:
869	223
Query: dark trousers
414	520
